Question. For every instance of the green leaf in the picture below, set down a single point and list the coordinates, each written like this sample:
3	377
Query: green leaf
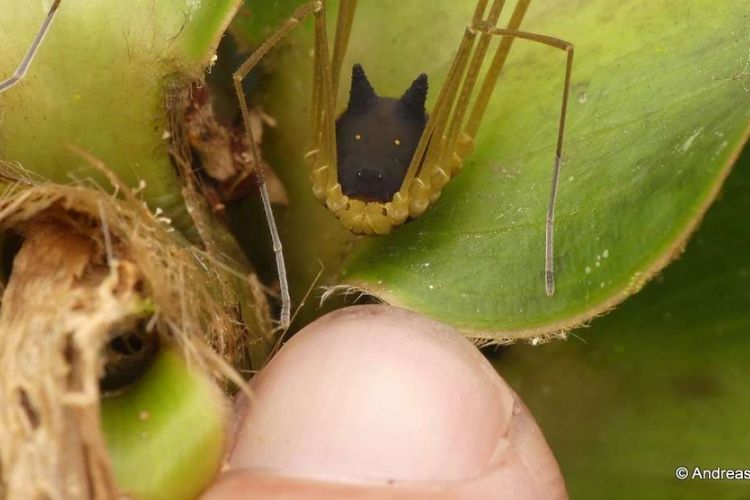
660	382
100	82
659	109
166	433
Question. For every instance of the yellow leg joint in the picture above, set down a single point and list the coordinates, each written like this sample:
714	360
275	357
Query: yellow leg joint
420	197
398	209
377	219
336	200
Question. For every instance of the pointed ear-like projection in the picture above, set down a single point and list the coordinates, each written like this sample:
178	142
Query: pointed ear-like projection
412	102
362	96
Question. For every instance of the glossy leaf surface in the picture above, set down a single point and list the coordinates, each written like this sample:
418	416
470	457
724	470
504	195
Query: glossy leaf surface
659	383
660	107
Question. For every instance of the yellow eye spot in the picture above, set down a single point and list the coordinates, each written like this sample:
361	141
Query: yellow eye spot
358	137
397	142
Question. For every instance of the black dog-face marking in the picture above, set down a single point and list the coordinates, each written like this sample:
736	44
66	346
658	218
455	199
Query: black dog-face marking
376	138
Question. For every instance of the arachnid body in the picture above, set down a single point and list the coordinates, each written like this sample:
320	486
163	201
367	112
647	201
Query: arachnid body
385	160
368	167
376	138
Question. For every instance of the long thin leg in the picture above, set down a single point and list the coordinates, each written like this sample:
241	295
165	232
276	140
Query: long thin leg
450	142
472	73
444	101
23	68
324	106
298	16
549	269
344	23
493	73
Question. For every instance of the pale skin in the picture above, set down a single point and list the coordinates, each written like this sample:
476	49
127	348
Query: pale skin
375	402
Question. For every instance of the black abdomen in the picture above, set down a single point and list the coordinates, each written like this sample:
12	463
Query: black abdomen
376	138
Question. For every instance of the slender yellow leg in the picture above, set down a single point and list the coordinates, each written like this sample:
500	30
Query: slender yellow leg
414	191
472	73
447	156
455	145
344	23
23	68
550	222
298	16
432	166
443	102
498	61
323	128
325	82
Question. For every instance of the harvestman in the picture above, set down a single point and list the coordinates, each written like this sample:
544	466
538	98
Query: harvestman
384	160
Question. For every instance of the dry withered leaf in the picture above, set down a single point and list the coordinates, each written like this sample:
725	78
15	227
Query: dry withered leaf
224	155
